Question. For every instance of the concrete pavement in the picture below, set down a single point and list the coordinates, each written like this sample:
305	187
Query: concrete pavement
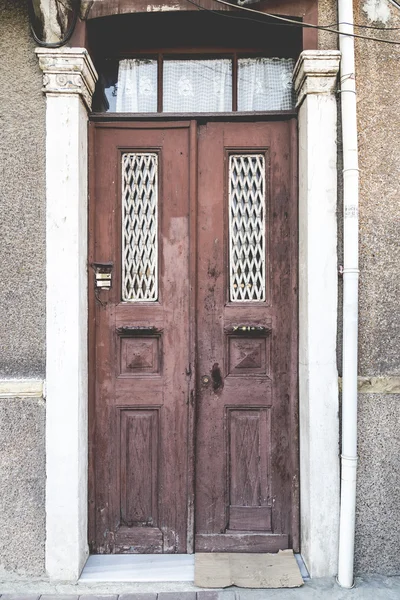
367	588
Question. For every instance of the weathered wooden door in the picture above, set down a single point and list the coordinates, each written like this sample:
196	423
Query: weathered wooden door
247	350
140	217
193	419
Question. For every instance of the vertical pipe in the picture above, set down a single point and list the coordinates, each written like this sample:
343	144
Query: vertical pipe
350	297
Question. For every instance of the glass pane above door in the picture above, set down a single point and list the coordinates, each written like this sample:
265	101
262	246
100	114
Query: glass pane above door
137	86
159	83
193	86
265	84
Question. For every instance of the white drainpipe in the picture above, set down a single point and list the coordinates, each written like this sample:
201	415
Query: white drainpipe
350	298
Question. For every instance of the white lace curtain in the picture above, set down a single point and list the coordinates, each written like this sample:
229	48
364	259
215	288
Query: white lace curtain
195	86
137	86
265	84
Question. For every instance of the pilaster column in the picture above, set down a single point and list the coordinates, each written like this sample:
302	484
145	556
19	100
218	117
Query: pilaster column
69	80
315	78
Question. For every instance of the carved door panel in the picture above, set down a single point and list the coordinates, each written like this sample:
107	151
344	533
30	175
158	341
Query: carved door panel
139	418
246	460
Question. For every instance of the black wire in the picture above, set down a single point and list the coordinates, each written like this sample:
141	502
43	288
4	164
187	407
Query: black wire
68	33
298	23
281	21
295	24
310	25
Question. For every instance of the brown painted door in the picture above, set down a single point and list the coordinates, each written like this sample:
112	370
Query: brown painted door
140	215
193	420
247	350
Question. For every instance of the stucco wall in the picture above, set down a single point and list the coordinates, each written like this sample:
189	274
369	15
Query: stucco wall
22	198
22	477
378	489
378	83
22	294
378	86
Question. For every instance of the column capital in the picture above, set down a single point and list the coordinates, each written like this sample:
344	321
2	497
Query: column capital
316	72
68	71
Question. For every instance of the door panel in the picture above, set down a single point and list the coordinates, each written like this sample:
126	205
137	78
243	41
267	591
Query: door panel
194	346
246	438
141	224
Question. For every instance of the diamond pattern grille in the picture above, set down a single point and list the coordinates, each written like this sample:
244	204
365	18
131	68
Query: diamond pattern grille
139	227
247	227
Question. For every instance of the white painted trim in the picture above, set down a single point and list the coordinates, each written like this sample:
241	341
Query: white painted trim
69	79
315	81
21	388
67	71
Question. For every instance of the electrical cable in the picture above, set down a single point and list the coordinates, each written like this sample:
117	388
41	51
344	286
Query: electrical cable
310	25
68	33
365	26
299	23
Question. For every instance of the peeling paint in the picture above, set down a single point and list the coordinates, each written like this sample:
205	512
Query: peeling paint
54	17
377	10
162	7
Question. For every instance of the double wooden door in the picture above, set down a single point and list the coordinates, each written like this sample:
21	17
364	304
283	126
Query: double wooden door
193	337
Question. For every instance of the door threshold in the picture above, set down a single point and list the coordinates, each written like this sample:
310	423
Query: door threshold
138	568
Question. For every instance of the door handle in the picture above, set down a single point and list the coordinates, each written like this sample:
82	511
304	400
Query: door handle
216	379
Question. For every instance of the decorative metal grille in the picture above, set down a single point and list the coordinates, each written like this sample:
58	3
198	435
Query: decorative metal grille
247	227
139	227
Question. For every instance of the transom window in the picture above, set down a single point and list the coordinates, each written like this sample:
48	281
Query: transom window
193	61
169	84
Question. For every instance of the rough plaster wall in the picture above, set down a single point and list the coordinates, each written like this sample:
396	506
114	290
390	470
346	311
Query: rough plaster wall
378	85
22	198
378	489
22	294
22	477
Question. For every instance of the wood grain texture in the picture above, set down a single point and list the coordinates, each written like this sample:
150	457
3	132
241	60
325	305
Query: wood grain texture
139	468
172	376
246	461
241	542
249	454
139	416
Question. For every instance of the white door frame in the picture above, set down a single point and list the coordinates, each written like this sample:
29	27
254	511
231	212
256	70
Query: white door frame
69	80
